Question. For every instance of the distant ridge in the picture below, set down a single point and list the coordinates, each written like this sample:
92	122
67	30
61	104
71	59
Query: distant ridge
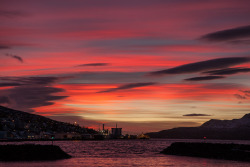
243	122
236	129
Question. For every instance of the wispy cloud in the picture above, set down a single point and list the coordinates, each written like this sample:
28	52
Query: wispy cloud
242	95
245	91
242	41
229	86
128	86
204	65
20	59
238	96
227	71
30	92
11	13
6	44
31	80
4	47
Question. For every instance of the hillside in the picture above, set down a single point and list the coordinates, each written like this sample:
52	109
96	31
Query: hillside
235	123
19	125
236	129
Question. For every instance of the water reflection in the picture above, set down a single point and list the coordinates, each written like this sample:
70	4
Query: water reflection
124	153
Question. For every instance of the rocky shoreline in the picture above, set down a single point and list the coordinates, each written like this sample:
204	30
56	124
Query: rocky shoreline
237	152
31	152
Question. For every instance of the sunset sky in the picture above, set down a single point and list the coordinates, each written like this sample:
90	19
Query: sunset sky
147	65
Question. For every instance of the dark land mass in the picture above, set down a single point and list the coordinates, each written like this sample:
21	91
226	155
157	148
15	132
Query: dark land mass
236	129
31	152
237	152
16	124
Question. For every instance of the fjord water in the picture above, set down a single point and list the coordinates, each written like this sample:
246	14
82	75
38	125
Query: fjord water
124	153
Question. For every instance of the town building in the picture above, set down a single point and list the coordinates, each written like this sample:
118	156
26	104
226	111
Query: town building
116	132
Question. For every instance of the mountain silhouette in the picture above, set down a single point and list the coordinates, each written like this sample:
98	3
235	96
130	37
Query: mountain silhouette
236	129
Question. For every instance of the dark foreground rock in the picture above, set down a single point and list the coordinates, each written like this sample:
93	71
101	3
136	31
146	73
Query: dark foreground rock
31	152
238	152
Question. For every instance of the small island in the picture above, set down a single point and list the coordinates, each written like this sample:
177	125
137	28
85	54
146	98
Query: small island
31	152
237	152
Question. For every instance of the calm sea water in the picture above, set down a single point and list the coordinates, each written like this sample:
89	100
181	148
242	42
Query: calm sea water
120	153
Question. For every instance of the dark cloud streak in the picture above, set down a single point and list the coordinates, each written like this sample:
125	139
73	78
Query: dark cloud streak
229	34
245	94
204	78
20	59
6	84
36	96
128	86
4	47
222	86
245	91
195	115
32	80
30	92
204	65
93	64
238	96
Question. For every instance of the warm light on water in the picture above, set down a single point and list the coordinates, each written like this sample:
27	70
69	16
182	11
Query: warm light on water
124	153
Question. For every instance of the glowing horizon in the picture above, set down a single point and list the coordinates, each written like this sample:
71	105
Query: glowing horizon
148	66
